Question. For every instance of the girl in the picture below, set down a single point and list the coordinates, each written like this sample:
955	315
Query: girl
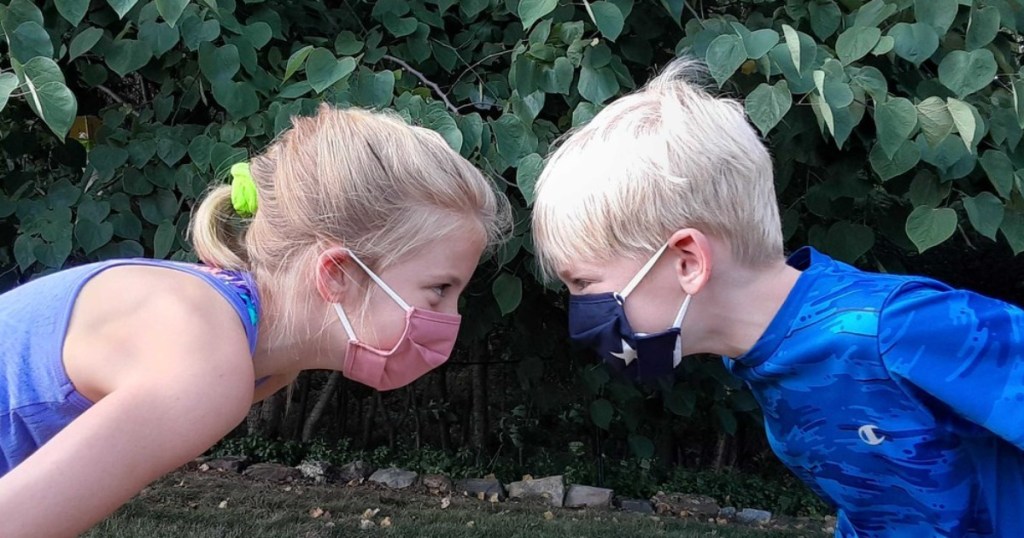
114	373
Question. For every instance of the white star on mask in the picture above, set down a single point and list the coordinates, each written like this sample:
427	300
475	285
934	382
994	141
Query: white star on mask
628	354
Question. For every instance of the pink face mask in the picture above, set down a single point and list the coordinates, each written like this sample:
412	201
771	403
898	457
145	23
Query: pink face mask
425	344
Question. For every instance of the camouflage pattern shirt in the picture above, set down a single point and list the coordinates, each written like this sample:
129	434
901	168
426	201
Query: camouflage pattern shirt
898	399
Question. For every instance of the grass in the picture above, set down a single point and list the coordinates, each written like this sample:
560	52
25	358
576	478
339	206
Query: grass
189	504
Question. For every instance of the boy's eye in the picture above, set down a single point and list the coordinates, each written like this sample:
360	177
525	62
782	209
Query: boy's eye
580	284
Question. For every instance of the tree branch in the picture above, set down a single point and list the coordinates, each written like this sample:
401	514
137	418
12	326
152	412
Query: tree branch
427	82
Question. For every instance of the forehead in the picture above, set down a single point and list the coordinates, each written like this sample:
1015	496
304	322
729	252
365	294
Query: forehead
607	268
454	253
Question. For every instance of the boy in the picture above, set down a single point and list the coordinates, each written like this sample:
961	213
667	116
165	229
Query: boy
897	399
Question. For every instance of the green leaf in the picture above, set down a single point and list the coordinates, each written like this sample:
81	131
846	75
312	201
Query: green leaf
124	56
295	61
598	85
222	156
84	42
641	446
23	251
54	103
8	82
895	121
30	40
964	115
122	7
967	72
873	13
72	10
400	26
759	43
199	151
160	36
218	64
374	89
17	12
885	45
608	18
1012	228
856	42
1018	101
905	158
928	227
163	241
531	11
681	401
999	170
983	27
935	119
323	70
847	241
950	157
92	235
767	105
937	13
927	190
171	10
527	172
872	81
258	33
914	43
508	292
985	211
438	119
170	150
195	31
601	412
557	79
725	55
238	98
793	43
825	18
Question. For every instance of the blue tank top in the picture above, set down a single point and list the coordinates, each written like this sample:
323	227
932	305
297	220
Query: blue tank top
37	399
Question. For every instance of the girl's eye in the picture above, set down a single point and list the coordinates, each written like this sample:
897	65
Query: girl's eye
440	289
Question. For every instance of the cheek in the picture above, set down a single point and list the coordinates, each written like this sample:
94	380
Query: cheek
383	323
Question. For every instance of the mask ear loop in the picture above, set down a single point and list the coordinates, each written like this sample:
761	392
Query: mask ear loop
387	289
641	274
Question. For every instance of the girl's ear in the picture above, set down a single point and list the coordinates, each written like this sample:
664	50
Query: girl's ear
333	274
692	259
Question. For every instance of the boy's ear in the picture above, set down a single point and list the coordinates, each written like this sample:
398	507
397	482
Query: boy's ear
692	259
333	274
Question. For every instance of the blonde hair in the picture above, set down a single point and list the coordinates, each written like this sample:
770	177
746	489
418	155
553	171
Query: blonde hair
666	157
365	179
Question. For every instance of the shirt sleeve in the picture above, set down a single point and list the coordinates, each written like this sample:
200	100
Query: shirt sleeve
963	350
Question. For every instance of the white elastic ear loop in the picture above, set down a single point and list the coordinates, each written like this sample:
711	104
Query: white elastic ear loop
344	321
682	312
677	351
642	272
387	289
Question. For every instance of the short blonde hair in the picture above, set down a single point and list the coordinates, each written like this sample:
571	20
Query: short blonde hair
367	180
666	157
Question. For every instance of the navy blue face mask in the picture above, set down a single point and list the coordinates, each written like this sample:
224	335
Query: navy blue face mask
599	322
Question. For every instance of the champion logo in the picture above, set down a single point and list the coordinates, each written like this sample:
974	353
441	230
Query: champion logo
869	434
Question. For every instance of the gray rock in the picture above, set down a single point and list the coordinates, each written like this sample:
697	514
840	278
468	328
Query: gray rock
394	478
357	470
729	512
753	517
685	505
587	496
231	464
486	486
437	483
551	488
272	472
641	506
318	471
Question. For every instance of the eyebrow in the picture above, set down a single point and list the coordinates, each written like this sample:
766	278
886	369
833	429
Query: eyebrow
448	278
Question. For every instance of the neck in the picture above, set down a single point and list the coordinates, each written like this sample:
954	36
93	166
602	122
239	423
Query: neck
737	307
305	349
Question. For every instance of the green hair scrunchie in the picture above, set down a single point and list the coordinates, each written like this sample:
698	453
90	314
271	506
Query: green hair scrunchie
243	190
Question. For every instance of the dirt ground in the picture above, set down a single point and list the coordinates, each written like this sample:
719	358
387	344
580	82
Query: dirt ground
216	504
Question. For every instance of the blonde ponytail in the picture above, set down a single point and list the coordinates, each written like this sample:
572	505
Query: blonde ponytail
217	233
